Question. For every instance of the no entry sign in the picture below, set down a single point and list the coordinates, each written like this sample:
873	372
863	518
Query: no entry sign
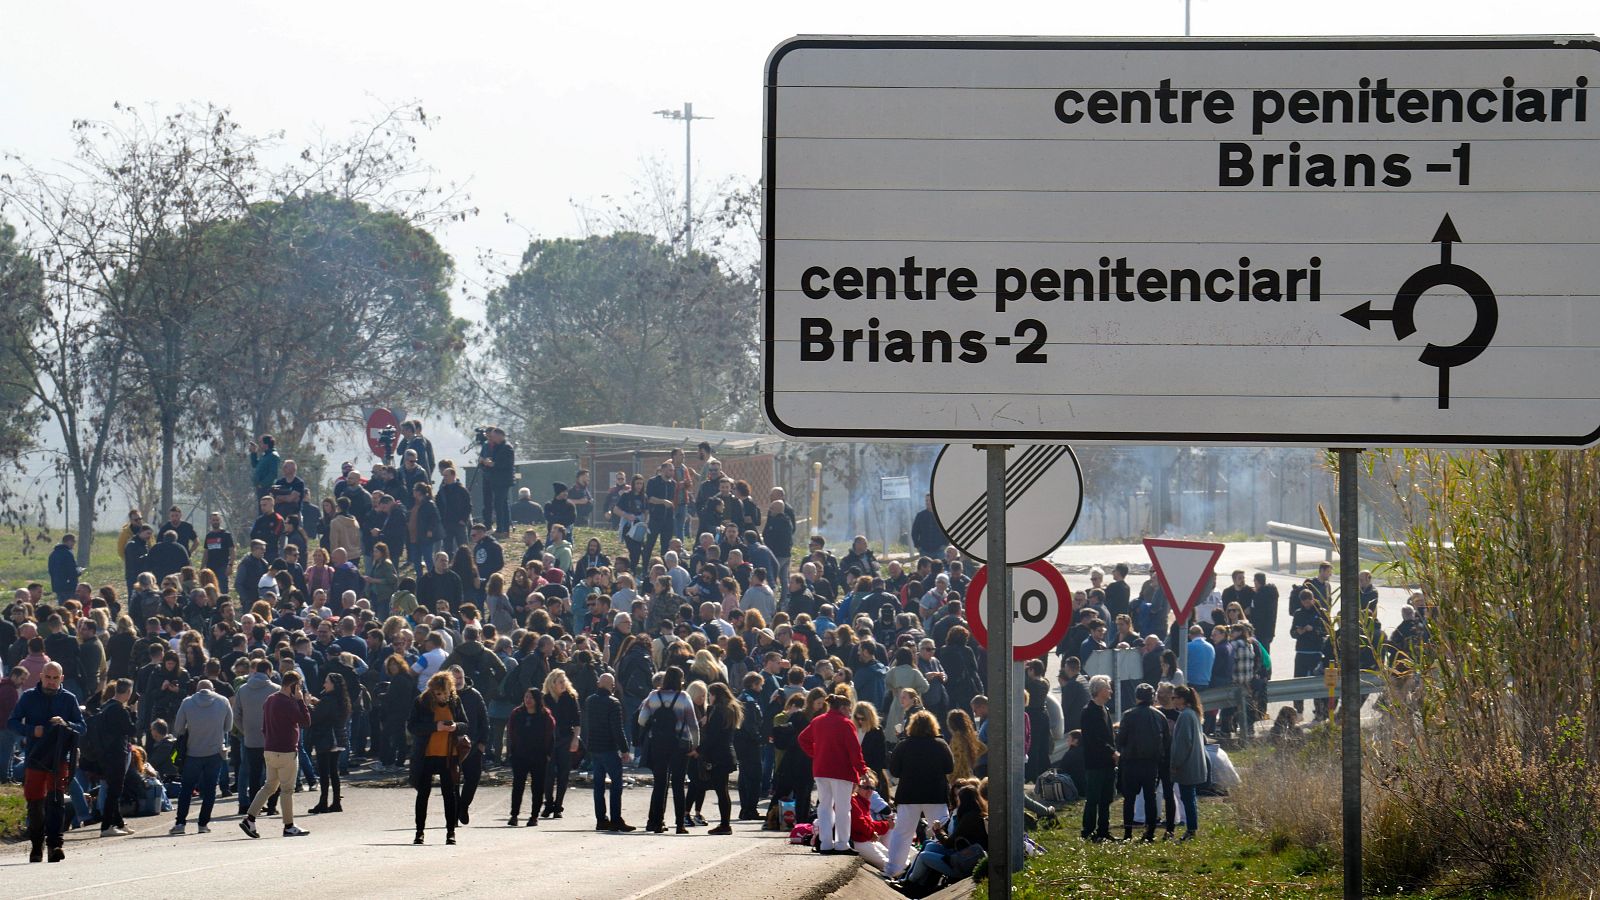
377	421
1294	241
1041	609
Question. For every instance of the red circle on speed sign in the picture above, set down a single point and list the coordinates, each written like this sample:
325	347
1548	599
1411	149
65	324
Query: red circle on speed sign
377	421
1041	608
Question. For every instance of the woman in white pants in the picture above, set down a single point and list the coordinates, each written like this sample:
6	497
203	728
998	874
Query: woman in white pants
921	764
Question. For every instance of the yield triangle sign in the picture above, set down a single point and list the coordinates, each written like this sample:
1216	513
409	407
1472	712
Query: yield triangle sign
1184	569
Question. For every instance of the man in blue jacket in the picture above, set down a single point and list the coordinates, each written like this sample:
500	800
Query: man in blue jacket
64	568
50	722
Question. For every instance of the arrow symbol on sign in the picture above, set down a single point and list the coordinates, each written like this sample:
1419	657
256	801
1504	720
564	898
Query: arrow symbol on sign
1444	237
1364	315
1442	274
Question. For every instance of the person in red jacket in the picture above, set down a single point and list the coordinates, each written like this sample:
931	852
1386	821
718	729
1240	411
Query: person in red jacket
864	829
836	763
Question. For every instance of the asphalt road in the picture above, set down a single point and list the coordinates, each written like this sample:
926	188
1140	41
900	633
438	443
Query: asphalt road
366	851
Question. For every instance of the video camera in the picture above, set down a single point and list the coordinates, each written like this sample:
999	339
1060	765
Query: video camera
386	439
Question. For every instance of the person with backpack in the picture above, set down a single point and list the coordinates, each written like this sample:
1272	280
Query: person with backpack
670	730
1144	740
635	674
530	734
748	739
109	742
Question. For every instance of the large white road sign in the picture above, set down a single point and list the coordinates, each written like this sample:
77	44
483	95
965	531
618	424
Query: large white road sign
1301	241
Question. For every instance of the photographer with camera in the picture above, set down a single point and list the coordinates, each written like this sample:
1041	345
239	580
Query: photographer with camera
497	470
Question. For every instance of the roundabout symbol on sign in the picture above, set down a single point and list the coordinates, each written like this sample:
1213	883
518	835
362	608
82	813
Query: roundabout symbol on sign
1444	273
1041	609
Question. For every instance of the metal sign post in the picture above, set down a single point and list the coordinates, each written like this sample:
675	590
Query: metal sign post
1350	672
1005	696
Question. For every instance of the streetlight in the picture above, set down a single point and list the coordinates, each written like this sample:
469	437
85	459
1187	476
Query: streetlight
688	118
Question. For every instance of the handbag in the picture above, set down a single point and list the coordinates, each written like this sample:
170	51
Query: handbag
638	531
965	860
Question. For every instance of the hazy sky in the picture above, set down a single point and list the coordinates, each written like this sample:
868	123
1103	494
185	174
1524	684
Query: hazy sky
540	106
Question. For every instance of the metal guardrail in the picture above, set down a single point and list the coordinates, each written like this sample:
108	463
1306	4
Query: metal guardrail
1287	690
1295	536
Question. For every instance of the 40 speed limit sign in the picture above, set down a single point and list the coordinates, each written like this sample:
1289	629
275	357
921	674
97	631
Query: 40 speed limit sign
1041	609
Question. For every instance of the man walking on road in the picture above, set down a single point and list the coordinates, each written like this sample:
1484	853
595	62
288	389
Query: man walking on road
282	717
50	723
248	702
205	718
608	749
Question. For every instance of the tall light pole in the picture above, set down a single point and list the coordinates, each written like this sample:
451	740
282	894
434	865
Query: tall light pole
1185	18
688	118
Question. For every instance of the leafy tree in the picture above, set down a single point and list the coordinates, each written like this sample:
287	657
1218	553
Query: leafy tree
619	327
334	305
21	287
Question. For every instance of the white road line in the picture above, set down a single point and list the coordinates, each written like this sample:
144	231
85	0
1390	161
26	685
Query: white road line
169	874
689	874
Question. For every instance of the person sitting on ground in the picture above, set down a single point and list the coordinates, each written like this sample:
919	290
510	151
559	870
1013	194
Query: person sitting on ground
865	831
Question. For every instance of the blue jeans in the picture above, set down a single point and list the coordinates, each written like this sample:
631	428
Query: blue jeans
1191	810
422	555
252	775
308	771
607	765
8	755
199	772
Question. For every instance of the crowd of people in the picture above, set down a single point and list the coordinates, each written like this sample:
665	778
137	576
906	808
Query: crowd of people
835	697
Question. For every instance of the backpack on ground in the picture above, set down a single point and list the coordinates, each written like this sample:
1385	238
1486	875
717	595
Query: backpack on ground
1055	789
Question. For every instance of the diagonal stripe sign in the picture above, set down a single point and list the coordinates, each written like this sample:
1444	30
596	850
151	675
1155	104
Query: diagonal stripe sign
1020	476
1185	569
1043	496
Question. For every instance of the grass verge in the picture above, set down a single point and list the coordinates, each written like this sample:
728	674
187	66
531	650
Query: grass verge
1222	861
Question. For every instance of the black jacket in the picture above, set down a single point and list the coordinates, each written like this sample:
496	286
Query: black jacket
530	736
477	714
922	767
500	474
133	558
779	535
62	648
328	718
716	743
1098	744
603	729
63	571
424	448
927	536
1145	735
455	505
